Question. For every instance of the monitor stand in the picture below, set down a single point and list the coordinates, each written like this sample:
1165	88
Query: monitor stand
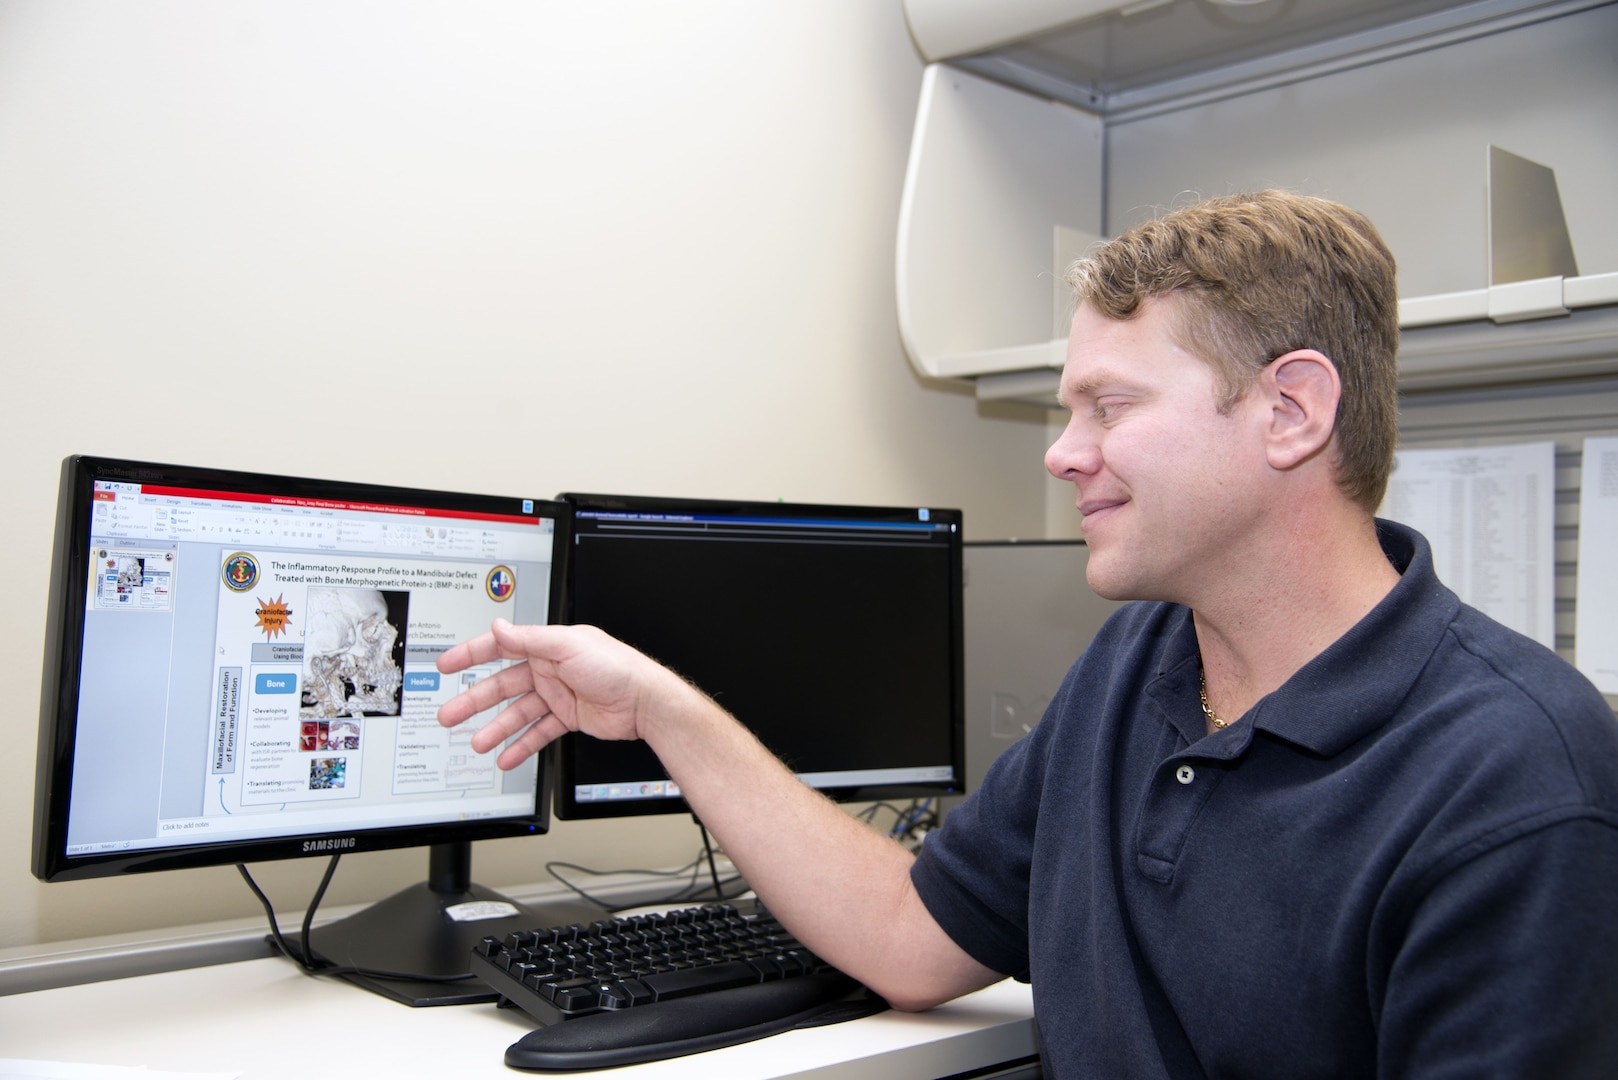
421	931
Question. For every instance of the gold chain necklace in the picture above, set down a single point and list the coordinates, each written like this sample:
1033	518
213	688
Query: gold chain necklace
1202	691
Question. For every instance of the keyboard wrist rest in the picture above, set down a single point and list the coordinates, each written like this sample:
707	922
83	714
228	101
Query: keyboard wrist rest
693	1024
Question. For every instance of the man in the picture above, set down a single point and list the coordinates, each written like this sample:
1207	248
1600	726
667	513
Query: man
1301	813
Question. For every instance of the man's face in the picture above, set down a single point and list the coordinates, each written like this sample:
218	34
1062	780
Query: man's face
1165	482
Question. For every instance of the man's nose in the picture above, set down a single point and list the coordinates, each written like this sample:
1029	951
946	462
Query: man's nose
1075	453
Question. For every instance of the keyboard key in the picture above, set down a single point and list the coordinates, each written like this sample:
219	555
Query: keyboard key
574	995
696	980
767	968
615	966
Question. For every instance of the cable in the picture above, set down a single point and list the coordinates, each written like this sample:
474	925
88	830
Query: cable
309	912
713	870
919	816
275	927
554	867
690	891
304	956
868	815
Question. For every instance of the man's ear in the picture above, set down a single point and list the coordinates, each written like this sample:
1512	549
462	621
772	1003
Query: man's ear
1304	390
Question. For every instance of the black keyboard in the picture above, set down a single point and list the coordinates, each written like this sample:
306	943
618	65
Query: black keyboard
646	987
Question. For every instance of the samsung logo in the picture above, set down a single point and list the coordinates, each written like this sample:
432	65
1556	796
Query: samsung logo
341	843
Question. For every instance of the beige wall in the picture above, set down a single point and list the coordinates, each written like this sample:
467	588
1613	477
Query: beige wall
513	247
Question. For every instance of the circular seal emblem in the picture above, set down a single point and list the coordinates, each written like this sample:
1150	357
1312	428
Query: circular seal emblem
500	584
240	572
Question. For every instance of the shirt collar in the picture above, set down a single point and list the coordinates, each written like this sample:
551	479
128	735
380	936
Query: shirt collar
1354	685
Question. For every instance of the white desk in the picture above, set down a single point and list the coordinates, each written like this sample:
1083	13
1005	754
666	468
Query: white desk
266	1021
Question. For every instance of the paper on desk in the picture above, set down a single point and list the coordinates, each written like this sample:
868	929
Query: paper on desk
1489	514
15	1069
1595	613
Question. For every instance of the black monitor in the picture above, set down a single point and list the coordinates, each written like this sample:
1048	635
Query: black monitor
833	632
240	667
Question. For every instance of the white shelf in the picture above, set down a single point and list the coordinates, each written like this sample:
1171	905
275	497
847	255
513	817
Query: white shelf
1127	58
1001	188
1005	183
1466	339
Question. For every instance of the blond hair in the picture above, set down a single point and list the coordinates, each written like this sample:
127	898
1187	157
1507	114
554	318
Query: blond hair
1255	276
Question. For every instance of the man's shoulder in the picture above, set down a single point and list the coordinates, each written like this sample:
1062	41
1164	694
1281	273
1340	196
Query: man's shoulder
1508	704
1513	672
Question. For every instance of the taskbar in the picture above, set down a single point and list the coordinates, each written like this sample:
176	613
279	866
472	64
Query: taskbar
646	789
635	790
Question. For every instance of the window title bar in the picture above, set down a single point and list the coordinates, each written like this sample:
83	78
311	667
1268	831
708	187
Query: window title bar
301	502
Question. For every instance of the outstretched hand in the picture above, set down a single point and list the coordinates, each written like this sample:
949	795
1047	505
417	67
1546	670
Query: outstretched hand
570	678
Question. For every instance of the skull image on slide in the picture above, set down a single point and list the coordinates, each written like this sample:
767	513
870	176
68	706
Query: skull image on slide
348	650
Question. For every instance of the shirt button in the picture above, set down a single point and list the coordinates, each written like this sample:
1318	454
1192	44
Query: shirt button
1185	774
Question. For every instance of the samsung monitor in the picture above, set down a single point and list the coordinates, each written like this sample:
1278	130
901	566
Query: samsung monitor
240	667
833	632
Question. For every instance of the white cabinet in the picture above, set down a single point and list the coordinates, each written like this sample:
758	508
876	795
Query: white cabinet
1003	188
1033	115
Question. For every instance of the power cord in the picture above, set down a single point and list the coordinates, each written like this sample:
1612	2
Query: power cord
911	822
692	871
303	955
713	869
691	891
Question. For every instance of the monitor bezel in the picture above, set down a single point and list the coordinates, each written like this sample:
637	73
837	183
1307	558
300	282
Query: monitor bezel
64	640
569	808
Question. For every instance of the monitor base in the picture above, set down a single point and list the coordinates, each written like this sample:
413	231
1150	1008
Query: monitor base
418	934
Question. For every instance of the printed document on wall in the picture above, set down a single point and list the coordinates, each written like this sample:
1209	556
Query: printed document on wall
1488	512
1595	624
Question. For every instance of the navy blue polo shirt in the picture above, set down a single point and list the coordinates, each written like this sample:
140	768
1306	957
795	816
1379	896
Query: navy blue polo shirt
1402	862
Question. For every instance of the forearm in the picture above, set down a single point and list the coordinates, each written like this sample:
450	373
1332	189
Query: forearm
843	889
840	886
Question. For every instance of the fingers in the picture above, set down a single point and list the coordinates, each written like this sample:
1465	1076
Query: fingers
528	642
539	735
508	722
466	654
510	682
527	720
567	677
503	642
